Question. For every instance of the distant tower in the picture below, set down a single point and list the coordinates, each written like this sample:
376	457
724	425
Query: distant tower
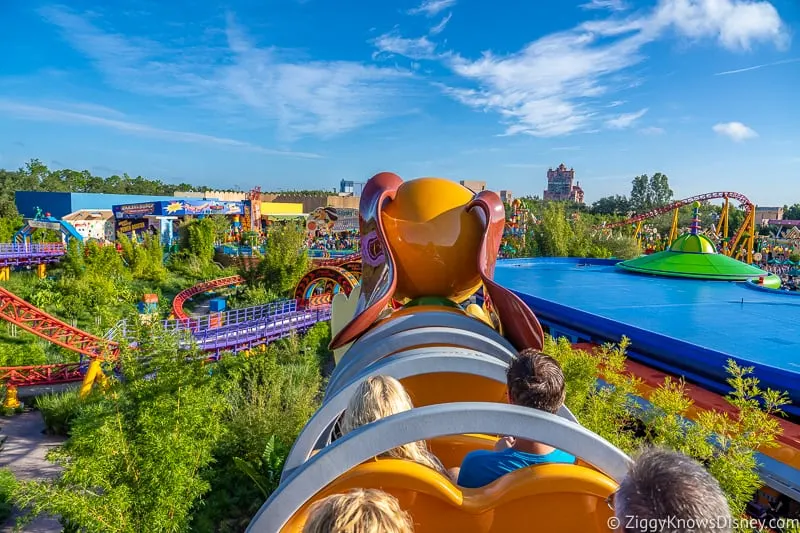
560	187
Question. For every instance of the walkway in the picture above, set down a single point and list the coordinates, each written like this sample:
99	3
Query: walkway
24	454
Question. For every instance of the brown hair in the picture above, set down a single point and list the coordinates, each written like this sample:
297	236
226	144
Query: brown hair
358	511
535	380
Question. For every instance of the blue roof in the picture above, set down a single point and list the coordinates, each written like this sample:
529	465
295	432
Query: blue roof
684	325
60	204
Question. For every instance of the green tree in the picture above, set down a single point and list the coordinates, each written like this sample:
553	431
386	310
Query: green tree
649	192
284	262
791	213
136	454
554	234
617	205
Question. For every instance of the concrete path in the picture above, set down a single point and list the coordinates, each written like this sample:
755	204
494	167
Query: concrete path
24	454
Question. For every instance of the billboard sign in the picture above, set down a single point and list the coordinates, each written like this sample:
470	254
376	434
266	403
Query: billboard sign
178	208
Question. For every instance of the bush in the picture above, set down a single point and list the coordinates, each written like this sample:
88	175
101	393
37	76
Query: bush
270	396
135	457
8	484
725	443
59	409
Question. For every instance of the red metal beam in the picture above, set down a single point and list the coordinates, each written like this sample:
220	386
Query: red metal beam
17	311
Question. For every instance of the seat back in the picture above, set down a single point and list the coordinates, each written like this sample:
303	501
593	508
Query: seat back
550	497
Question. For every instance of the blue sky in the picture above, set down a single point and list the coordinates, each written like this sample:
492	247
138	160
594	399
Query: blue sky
303	93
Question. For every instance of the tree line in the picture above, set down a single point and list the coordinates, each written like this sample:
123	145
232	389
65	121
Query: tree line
36	176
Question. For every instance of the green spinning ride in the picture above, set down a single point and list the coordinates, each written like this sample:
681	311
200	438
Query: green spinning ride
693	255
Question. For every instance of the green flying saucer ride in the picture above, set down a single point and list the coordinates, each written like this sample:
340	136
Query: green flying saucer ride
693	255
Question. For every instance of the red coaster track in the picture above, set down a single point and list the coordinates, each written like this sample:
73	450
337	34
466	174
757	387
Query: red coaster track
17	311
742	199
205	286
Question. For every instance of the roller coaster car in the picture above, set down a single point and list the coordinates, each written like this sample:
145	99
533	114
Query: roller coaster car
568	498
442	359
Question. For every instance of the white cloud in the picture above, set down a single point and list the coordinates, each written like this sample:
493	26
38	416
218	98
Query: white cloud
652	130
756	67
625	120
392	43
46	114
735	130
613	5
553	86
431	8
242	80
439	28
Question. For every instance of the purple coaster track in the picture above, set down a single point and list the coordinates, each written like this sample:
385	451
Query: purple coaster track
242	329
12	255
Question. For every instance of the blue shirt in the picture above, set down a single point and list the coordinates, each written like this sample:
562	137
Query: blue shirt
481	467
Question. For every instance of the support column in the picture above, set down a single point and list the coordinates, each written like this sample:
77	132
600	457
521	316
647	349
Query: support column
41	270
11	401
5	273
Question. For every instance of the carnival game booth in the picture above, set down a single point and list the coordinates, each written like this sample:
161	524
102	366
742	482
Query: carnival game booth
162	218
428	246
93	225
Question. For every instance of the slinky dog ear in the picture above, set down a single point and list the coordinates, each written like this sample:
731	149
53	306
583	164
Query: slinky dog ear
519	325
378	269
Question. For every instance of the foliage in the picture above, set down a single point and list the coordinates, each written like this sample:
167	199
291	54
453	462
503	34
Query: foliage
560	235
59	410
791	212
725	442
146	259
252	295
270	398
135	455
10	221
8	485
649	192
35	176
612	205
284	262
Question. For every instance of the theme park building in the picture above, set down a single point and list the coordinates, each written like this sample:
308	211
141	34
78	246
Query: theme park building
560	187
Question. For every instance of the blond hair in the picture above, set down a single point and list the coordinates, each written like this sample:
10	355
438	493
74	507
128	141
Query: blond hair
378	397
358	511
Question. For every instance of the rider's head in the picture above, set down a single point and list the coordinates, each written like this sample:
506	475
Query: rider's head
535	380
667	485
358	511
378	397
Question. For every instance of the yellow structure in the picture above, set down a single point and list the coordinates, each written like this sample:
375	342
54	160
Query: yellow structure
41	270
11	400
94	373
5	273
281	208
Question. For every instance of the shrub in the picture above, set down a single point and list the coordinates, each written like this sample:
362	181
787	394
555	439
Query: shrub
8	484
726	443
270	397
59	409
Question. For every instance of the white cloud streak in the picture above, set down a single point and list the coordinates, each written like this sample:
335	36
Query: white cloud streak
431	8
625	120
242	80
756	67
46	114
556	84
613	5
439	28
392	43
735	131
652	130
